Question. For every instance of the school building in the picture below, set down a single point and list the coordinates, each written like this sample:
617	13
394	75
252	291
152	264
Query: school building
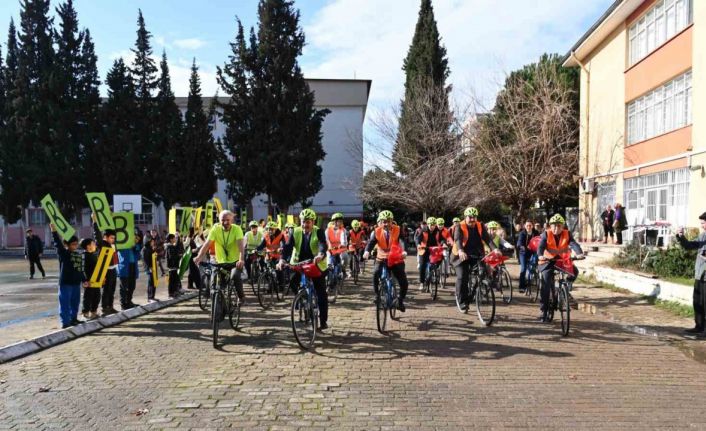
643	113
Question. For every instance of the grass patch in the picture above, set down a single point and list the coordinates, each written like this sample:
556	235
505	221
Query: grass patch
686	281
673	307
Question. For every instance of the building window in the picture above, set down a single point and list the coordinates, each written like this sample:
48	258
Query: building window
663	196
146	217
665	19
660	111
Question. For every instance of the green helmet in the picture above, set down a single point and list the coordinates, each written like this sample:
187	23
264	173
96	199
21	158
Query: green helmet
470	212
431	221
288	226
272	225
385	215
456	220
337	216
307	214
493	225
440	222
355	224
557	219
253	224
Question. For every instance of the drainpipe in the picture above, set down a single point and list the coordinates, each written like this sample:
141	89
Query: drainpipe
588	131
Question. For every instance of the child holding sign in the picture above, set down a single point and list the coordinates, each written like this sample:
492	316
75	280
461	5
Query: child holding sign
174	253
71	278
92	293
149	257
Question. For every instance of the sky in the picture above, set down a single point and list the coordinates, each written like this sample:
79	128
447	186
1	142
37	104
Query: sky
365	39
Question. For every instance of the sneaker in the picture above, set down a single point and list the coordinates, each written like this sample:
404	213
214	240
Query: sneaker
76	322
108	311
86	314
543	318
464	307
92	315
421	287
323	327
401	307
31	277
133	305
694	331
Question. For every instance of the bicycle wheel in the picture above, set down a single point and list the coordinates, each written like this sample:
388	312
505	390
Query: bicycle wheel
356	269
458	294
537	285
332	287
234	309
485	302
303	321
506	285
216	315
552	304
254	277
381	309
434	285
393	300
564	309
204	292
265	291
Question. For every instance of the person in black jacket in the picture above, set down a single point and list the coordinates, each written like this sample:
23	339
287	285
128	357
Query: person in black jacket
92	293
33	253
71	277
147	252
107	239
525	254
174	252
607	217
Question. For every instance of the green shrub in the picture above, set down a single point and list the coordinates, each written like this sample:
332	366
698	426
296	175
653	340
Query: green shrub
671	262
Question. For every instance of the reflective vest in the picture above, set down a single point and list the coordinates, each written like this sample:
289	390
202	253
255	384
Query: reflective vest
272	245
253	241
553	249
313	244
464	234
334	238
382	245
356	237
422	247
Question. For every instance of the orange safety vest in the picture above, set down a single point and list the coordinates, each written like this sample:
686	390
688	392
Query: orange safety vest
422	247
334	240
382	246
273	245
553	249
464	232
356	237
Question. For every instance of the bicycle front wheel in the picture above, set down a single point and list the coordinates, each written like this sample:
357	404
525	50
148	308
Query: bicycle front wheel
234	310
434	285
265	291
536	285
564	309
332	287
485	302
204	292
381	309
303	321
394	300
505	285
356	270
216	315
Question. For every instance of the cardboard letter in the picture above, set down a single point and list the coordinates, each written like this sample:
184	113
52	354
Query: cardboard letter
124	230
62	226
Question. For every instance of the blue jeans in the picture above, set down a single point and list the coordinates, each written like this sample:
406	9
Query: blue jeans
524	267
69	300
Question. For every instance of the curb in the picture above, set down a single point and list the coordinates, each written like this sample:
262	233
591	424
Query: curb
698	355
37	344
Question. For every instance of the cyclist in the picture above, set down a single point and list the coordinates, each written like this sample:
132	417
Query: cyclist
525	254
273	241
468	245
446	240
386	236
253	239
308	242
452	229
337	239
555	241
357	238
288	228
494	230
428	237
230	248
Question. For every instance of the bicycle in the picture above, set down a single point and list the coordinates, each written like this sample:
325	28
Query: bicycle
500	276
479	289
334	279
256	264
532	279
447	267
559	294
433	275
267	285
387	301
224	300
305	307
356	263
206	270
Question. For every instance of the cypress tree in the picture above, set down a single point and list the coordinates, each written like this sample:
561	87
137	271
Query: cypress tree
11	196
144	74
199	145
89	105
274	132
118	150
426	70
174	167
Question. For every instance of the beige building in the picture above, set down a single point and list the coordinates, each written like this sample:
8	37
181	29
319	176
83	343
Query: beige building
643	113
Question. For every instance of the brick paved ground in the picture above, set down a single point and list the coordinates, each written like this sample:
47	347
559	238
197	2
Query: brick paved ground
438	370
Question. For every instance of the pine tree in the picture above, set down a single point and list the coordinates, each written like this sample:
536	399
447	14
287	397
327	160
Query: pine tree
89	105
426	70
272	126
199	145
11	196
118	151
69	129
144	74
175	172
35	105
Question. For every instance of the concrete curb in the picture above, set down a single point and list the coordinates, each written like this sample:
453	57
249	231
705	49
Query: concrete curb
687	348
28	347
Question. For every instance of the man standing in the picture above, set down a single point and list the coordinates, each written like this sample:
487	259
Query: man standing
607	217
33	253
620	222
699	277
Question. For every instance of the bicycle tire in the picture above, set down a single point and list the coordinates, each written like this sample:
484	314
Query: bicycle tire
485	302
564	309
204	293
434	287
506	285
265	294
303	320
537	282
216	315
356	270
332	287
234	309
394	301
381	310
